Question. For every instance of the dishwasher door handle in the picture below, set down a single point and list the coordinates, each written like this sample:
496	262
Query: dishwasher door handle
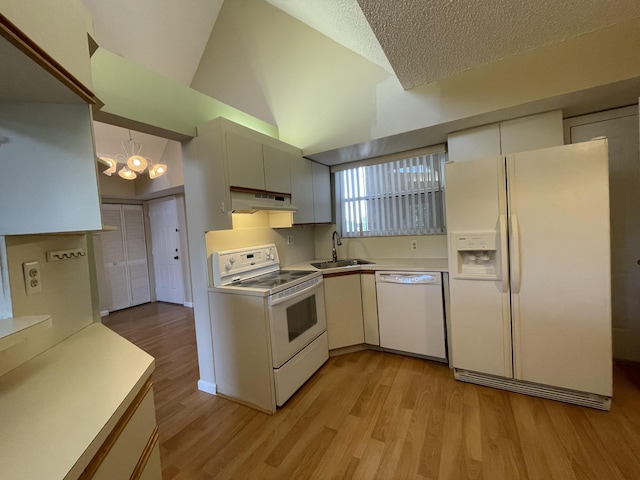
408	278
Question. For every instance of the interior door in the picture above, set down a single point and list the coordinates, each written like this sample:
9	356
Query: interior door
136	250
165	250
624	194
560	266
114	255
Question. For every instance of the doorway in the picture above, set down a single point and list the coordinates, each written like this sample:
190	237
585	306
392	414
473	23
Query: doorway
165	250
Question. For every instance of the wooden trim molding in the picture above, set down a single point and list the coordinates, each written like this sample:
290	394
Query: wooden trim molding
146	454
342	274
110	441
27	46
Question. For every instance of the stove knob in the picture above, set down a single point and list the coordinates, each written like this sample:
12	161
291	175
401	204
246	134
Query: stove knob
232	260
227	266
270	255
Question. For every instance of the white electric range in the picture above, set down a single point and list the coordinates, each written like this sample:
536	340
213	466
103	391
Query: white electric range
268	326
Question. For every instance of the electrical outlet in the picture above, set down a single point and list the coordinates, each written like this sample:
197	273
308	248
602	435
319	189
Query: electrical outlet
414	245
32	281
289	239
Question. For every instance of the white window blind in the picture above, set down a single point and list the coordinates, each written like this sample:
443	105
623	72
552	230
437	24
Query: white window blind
402	197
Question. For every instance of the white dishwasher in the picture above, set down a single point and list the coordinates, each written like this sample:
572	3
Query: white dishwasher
411	313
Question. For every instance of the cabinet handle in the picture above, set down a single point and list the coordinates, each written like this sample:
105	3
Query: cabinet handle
176	257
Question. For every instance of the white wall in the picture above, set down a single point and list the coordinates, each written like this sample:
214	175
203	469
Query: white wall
66	292
172	158
252	230
323	96
429	246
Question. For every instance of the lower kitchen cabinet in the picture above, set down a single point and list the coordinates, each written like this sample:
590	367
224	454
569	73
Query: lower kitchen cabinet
370	308
343	306
82	409
131	450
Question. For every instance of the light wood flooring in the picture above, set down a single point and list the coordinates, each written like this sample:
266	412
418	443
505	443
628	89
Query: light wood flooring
374	415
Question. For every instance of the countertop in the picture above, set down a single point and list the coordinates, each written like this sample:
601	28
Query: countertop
387	264
57	409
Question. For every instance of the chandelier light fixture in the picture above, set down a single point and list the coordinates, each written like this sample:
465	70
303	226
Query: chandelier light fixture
131	163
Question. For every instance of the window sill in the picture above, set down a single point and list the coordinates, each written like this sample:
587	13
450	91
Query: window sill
16	330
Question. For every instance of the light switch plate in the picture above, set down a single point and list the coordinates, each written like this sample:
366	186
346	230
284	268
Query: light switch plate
32	280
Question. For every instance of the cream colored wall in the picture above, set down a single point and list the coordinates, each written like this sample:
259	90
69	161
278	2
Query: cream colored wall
253	230
323	96
141	99
429	246
66	292
116	187
59	28
172	158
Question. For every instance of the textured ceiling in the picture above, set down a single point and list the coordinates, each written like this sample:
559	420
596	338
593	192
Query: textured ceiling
426	40
421	41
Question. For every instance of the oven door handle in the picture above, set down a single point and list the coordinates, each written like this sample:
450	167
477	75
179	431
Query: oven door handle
283	297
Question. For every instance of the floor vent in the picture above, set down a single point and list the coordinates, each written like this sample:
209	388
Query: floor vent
536	390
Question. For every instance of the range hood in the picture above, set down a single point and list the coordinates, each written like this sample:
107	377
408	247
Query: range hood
251	202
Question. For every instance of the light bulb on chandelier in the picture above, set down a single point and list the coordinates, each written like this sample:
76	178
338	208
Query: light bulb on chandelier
129	164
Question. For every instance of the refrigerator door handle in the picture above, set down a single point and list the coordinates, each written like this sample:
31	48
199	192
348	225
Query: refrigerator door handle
504	254
515	249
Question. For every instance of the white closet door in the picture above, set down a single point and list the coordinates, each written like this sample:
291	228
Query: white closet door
136	250
125	257
114	255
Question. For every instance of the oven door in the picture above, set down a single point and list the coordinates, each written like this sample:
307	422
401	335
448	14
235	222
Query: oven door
296	320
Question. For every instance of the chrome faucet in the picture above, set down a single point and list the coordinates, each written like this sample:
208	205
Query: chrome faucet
335	242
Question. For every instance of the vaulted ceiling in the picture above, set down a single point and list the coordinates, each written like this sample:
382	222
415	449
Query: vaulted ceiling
419	41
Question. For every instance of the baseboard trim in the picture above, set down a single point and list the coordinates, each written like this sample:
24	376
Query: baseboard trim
188	304
104	313
207	387
536	390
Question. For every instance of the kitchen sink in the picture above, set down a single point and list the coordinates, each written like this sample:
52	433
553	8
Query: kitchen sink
349	262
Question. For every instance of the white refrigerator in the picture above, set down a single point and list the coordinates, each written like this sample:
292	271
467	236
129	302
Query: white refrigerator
530	282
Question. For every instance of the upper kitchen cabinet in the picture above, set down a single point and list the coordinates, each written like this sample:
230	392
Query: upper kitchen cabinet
519	135
246	166
47	161
258	166
321	193
310	191
277	169
206	179
44	55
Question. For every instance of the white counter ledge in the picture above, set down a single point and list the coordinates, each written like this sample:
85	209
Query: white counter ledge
57	409
379	264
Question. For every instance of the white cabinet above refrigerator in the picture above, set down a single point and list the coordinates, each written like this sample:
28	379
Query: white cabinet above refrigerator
532	304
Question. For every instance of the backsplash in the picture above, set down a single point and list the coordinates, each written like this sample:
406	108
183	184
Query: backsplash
252	230
66	292
428	246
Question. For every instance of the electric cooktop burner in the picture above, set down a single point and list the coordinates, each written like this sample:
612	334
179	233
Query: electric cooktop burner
273	279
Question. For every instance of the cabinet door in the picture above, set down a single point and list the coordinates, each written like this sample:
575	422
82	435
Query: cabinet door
321	193
277	170
302	190
47	169
206	180
343	305
246	167
370	308
474	143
